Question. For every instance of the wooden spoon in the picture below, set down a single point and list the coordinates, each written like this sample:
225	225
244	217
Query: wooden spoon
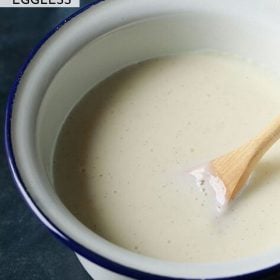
235	167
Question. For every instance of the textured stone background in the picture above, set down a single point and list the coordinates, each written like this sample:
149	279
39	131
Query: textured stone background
27	249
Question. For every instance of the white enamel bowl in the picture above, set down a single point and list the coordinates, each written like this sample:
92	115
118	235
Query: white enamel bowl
85	49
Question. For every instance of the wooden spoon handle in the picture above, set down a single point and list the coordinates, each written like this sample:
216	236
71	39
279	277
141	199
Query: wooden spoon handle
265	139
235	167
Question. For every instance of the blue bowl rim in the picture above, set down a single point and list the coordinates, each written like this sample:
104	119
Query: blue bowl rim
75	246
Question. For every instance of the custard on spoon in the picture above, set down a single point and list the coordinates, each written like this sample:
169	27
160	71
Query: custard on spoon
228	173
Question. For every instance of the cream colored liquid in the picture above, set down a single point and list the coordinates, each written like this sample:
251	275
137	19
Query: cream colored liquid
122	158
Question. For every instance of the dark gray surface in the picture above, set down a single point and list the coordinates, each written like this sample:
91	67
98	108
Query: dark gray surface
27	249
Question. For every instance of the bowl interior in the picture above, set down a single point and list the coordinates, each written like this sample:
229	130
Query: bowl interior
100	42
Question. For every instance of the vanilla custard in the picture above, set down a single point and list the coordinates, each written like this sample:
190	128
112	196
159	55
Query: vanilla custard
123	155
